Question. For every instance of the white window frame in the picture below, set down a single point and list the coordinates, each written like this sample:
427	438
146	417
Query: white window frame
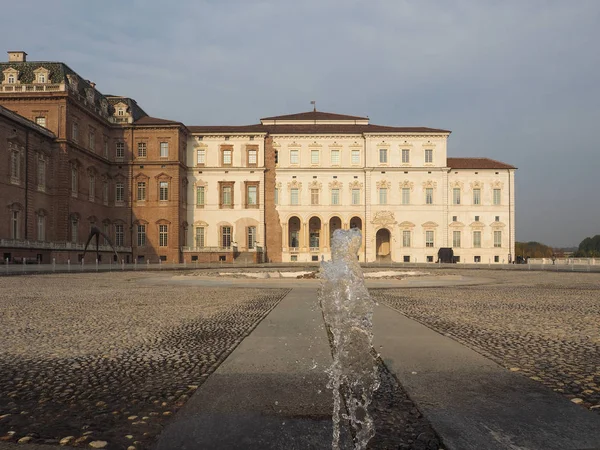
199	237
456	196
497	238
429	238
120	150
497	197
200	156
141	191
314	157
456	238
356	196
406	196
406	238
383	197
294	156
476	239
335	196
294	196
335	157
383	156
164	149
314	196
405	156
141	235
429	196
163	191
355	157
477	196
163	235
428	156
200	196
119	192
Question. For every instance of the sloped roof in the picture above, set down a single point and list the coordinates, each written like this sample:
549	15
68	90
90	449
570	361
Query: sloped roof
147	120
312	129
5	112
477	163
315	115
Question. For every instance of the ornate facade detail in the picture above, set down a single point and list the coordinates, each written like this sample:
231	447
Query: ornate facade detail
456	184
294	185
163	176
384	219
42	75
477	225
336	184
429	224
476	185
383	184
355	185
407	225
278	185
11	74
314	185
73	82
457	225
407	185
429	184
497	184
200	183
498	225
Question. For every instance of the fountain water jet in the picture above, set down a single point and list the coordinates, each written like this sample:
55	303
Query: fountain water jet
348	312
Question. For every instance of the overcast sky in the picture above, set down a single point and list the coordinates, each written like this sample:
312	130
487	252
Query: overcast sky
516	81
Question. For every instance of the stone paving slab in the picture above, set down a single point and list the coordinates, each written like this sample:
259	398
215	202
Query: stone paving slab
270	393
471	401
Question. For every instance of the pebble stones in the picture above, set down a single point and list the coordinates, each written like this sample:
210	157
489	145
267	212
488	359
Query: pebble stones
66	440
98	444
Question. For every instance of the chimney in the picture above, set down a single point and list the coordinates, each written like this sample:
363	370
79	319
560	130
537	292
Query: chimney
18	56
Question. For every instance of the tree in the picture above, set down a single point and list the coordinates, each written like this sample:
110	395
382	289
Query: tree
533	250
589	247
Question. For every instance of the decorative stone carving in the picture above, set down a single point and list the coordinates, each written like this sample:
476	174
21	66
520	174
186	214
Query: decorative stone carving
457	225
355	185
384	219
73	82
497	184
429	184
407	185
476	185
104	107
497	225
383	184
294	185
315	185
456	184
335	184
406	225
429	224
90	94
477	224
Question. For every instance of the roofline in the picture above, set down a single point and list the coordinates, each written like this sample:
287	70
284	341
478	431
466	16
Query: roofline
13	116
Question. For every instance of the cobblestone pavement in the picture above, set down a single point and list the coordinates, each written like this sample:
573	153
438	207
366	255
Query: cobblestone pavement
543	325
99	358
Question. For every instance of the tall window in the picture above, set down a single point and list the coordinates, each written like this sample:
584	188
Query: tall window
226	237
199	237
251	237
355	156
383	156
335	196
119	192
41	77
105	230
141	191
141	235
142	150
163	235
15	166
356	196
497	238
164	149
226	157
428	156
92	192
456	196
497	196
252	157
456	239
15	225
294	196
405	156
429	196
201	156
75	131
41	174
406	238
105	192
383	196
335	157
405	196
74	181
276	195
314	156
92	140
314	196
200	196
163	191
41	227
11	79
477	196
477	239
226	197
251	195
74	230
429	239
41	121
105	147
294	157
120	150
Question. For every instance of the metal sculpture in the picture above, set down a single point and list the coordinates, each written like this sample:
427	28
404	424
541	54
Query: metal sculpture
97	233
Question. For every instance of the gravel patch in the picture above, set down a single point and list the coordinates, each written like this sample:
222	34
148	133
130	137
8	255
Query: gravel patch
93	358
543	325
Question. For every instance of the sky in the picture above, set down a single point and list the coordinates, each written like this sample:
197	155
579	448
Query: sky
516	81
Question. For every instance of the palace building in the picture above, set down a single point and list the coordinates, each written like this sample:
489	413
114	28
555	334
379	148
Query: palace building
274	191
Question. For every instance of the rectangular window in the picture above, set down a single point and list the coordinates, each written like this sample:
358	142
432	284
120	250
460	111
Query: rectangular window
75	131
226	197
335	157
454	218
92	190
406	258
314	156
226	237
200	196
252	157
383	196
120	150
199	237
497	219
456	196
476	218
15	225
201	157
163	191
41	174
92	140
74	182
41	228
119	192
251	237
477	196
119	235
74	230
429	196
383	156
141	235
335	196
477	239
405	196
497	196
142	150
105	147
429	239
164	149
105	192
227	157
314	196
41	121
456	239
252	195
405	156
355	156
497	238
496	258
163	235
276	196
294	196
294	157
428	156
141	191
356	196
406	238
15	166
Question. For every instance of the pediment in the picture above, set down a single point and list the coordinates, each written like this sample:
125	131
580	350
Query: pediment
477	225
429	224
406	224
200	223
163	176
497	224
456	225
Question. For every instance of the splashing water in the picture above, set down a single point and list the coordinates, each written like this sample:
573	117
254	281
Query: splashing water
348	312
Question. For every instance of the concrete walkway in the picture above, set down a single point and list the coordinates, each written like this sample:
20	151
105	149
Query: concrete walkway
472	402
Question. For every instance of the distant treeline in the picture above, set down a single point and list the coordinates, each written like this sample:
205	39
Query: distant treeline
589	247
533	250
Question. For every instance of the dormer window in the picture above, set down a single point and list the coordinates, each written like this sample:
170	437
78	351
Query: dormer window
11	79
41	75
120	112
41	78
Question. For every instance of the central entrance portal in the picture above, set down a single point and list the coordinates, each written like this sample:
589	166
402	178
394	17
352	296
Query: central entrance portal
383	243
